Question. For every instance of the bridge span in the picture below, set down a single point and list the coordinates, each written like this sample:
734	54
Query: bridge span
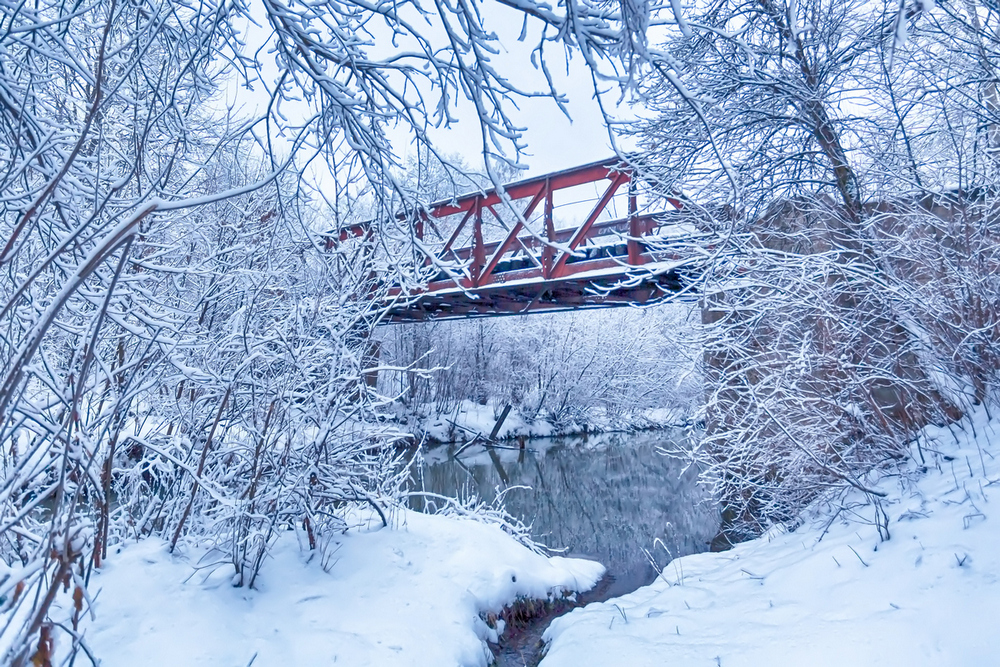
563	241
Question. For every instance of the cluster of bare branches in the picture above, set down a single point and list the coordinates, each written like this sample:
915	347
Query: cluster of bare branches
182	351
563	367
841	157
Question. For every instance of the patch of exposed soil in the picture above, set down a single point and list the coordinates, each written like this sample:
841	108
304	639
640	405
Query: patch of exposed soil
526	620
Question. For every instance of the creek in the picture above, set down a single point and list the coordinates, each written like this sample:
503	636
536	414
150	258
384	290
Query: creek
613	497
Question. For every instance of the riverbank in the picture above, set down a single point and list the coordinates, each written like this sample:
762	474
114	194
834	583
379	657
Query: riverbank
610	497
425	590
420	592
469	420
831	592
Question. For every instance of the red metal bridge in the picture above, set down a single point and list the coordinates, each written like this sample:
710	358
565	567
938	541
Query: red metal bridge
568	240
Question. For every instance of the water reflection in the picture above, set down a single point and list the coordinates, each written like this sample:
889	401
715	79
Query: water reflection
606	497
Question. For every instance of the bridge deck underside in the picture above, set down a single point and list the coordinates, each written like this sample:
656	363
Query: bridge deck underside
523	294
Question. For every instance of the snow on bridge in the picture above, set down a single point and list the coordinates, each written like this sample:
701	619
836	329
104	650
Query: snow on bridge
567	240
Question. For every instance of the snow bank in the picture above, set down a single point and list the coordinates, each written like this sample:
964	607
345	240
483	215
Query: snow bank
930	595
408	595
471	418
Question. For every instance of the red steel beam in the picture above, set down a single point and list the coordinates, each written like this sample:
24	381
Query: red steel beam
548	254
454	235
568	178
478	252
634	250
538	297
583	229
512	236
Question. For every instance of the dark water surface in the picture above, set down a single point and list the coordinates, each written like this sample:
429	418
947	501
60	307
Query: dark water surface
606	497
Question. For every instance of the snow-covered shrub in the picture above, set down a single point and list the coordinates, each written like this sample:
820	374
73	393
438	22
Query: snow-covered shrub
207	388
843	184
558	366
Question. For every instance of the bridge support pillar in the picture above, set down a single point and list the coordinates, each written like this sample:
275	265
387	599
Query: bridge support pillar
370	362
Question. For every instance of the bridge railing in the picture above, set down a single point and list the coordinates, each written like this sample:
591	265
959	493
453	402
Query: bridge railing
529	243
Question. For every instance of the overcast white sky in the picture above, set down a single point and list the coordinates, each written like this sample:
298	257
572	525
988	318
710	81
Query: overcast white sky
554	141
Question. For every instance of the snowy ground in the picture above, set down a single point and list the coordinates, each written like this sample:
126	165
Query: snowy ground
412	595
930	595
470	419
829	593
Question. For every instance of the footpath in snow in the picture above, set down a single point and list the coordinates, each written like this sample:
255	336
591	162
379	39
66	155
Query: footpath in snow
413	594
831	592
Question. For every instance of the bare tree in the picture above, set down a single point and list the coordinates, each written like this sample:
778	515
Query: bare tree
807	140
581	368
170	309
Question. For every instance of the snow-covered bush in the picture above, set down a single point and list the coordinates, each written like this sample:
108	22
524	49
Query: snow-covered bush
558	366
840	160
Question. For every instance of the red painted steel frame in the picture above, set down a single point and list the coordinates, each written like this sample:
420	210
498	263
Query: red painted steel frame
554	281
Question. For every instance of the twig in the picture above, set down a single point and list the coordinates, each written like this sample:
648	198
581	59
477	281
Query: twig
858	555
466	445
201	466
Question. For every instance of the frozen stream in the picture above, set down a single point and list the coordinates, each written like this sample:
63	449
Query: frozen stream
606	497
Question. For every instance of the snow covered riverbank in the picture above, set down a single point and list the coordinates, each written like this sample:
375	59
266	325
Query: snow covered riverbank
412	594
831	592
470	419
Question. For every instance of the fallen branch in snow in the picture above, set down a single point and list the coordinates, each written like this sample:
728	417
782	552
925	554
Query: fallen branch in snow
467	445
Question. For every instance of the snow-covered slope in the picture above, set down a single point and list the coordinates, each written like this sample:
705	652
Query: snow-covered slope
409	595
831	592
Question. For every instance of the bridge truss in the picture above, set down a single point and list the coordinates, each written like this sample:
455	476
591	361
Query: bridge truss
527	251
